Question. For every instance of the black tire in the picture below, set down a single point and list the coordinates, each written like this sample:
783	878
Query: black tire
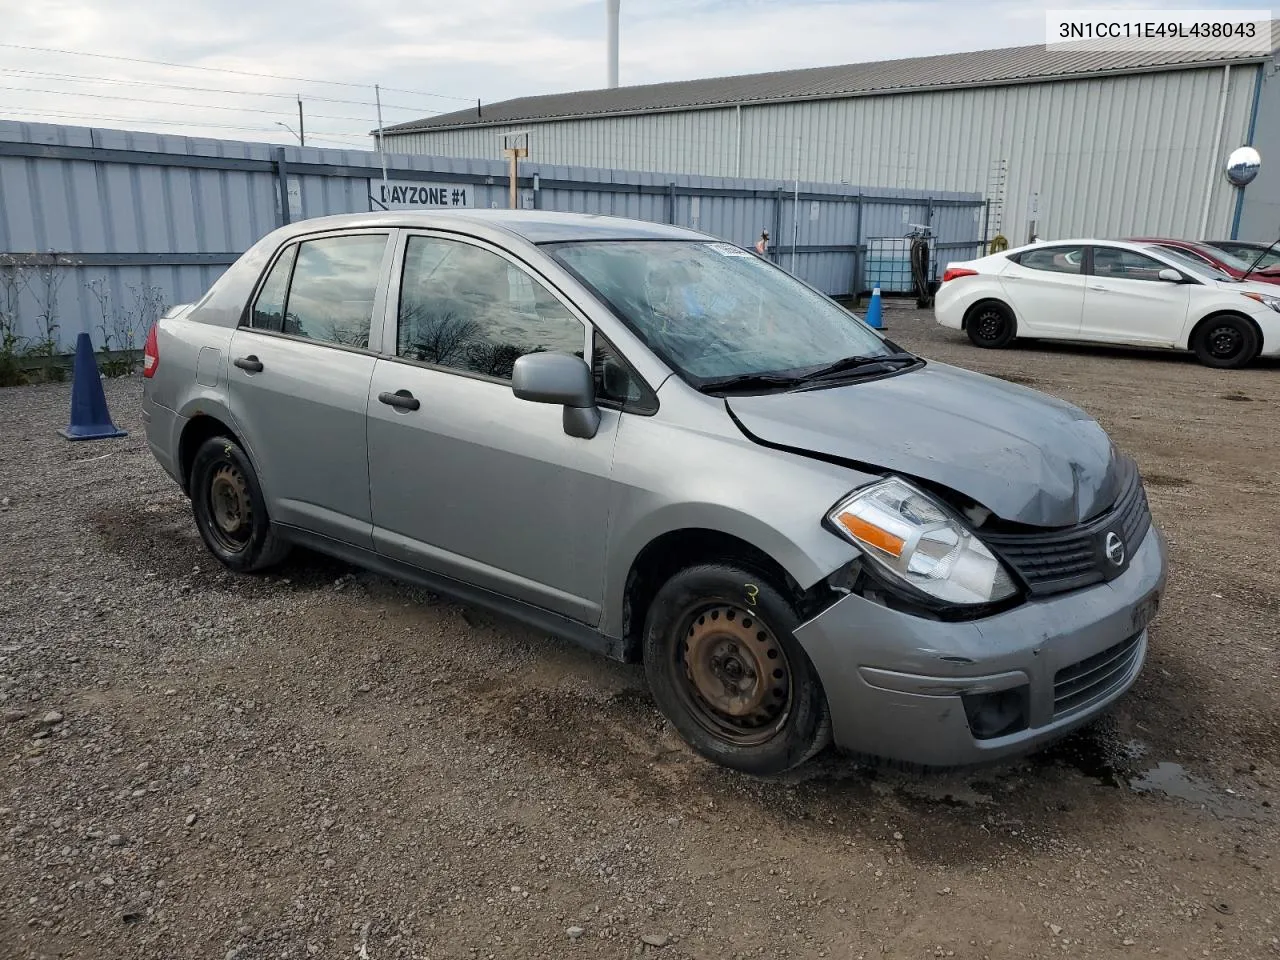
991	325
230	511
1225	341
737	622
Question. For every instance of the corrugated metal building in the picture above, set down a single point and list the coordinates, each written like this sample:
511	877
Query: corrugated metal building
1065	142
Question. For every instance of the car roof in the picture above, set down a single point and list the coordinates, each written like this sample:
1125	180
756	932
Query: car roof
1079	242
536	226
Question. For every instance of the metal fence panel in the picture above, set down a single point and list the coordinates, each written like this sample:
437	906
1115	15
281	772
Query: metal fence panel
131	222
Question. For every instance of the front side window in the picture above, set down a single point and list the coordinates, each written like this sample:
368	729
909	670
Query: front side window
711	310
335	282
464	307
1053	259
1119	264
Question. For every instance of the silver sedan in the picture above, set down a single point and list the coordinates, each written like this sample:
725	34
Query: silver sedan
670	450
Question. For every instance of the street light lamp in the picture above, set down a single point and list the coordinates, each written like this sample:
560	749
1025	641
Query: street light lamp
300	133
291	130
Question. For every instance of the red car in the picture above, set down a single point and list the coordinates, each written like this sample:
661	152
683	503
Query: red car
1204	253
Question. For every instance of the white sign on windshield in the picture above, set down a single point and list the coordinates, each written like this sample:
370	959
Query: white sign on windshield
419	195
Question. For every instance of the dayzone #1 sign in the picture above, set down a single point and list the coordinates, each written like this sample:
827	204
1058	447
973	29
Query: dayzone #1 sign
418	195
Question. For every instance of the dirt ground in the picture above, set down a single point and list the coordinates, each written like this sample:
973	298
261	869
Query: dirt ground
322	762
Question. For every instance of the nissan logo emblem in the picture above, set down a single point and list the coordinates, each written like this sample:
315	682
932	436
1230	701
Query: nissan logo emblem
1114	548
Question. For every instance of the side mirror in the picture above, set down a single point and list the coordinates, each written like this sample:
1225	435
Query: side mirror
561	379
1169	275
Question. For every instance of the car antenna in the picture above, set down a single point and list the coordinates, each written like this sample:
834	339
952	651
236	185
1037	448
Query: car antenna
1253	266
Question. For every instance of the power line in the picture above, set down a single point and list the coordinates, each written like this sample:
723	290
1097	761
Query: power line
175	103
88	78
243	73
356	139
96	116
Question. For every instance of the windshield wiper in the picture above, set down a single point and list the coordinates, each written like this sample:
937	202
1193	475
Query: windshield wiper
888	361
754	381
750	381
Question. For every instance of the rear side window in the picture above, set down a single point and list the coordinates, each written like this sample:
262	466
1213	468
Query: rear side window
1053	259
268	309
335	281
323	290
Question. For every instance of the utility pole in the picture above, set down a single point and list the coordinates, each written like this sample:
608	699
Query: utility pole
795	212
612	12
514	147
302	135
382	154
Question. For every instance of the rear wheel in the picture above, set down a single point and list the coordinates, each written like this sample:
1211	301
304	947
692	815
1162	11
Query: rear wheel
229	509
726	671
990	325
1225	341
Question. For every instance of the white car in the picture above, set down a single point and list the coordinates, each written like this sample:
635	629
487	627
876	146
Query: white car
1109	291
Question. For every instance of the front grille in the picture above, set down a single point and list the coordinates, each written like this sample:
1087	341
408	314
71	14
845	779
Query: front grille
1069	559
1090	680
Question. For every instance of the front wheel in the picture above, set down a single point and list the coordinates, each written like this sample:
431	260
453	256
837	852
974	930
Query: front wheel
229	508
991	325
727	672
1225	342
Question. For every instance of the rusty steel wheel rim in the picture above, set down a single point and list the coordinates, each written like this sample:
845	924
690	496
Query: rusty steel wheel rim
230	507
734	674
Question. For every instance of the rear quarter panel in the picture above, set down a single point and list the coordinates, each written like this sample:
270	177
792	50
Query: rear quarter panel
174	393
954	298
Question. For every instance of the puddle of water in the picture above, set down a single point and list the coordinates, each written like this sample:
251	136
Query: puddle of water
1173	781
1096	751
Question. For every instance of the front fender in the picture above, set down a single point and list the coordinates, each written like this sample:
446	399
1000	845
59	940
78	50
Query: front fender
668	479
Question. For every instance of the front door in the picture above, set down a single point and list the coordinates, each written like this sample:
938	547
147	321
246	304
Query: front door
466	480
1127	302
299	382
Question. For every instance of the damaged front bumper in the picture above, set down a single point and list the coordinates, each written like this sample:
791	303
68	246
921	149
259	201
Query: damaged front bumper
943	694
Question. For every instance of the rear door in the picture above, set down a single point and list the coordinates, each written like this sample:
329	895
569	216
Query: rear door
302	361
1045	285
467	480
1127	302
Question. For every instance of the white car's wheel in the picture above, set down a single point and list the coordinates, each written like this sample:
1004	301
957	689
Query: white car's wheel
1225	341
990	324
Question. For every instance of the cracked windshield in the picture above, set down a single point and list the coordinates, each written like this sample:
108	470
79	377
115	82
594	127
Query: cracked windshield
715	310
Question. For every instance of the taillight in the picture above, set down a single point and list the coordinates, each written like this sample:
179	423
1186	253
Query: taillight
952	272
151	354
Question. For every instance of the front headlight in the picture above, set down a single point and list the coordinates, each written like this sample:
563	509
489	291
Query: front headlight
916	540
1266	301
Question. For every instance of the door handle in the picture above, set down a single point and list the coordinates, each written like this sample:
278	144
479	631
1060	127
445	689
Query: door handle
250	363
1097	286
401	398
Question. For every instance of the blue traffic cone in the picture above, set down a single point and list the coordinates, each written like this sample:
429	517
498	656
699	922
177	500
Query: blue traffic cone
875	310
90	418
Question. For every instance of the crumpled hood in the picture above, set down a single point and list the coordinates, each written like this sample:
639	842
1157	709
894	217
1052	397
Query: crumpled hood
1027	457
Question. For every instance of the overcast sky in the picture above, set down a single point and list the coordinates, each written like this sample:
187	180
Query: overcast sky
446	52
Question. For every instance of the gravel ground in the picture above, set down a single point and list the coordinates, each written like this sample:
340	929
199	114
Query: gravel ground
322	762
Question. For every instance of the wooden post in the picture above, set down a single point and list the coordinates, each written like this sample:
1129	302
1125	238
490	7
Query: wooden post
514	148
